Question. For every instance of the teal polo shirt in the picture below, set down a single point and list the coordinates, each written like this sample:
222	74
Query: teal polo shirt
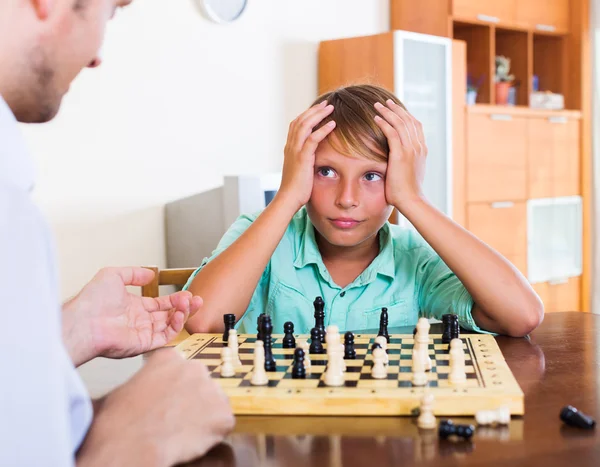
407	277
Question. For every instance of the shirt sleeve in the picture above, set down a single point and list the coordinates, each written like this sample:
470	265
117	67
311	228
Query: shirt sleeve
260	296
439	291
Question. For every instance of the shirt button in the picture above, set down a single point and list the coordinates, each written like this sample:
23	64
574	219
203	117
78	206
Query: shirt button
342	294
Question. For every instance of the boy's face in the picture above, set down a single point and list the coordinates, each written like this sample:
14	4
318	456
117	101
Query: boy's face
347	205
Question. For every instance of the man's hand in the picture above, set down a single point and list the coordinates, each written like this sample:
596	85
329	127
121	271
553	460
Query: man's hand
170	412
105	319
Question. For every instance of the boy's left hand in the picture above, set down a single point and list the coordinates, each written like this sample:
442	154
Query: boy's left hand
408	152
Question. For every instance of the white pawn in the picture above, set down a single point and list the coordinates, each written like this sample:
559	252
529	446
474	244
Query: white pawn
339	354
419	376
232	343
334	376
500	416
304	345
227	368
458	375
426	419
422	339
379	370
382	341
259	374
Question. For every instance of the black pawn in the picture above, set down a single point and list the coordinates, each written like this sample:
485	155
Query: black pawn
383	325
451	328
349	351
259	334
229	321
266	331
316	346
448	428
298	370
289	342
319	305
571	416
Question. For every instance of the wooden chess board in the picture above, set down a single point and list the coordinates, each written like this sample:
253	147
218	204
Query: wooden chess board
490	383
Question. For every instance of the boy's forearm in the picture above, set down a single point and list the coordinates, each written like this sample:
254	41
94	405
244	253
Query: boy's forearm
505	302
226	283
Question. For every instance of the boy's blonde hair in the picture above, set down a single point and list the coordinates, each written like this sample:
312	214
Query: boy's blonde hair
356	133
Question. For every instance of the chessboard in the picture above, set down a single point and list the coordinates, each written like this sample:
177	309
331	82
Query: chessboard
490	383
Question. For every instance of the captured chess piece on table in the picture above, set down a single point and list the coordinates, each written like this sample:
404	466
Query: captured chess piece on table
573	417
449	429
499	416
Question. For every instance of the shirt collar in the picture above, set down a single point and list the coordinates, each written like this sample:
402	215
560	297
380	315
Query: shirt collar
384	263
16	165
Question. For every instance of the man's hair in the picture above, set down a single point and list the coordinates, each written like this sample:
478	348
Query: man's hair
356	133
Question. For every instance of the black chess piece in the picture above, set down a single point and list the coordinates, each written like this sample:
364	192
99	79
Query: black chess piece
266	332
448	428
383	325
229	321
319	305
349	350
289	342
573	417
316	346
298	370
451	328
259	334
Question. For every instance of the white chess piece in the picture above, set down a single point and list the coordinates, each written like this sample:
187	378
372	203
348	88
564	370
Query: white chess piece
422	338
382	341
458	375
379	370
334	376
259	374
426	419
227	368
500	416
419	376
339	354
232	343
304	345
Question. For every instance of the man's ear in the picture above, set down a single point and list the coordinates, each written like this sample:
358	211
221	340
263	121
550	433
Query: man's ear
42	8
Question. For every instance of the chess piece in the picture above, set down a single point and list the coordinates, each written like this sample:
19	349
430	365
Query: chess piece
303	344
383	343
227	368
458	375
383	324
229	321
426	419
419	376
267	331
232	343
259	336
316	346
422	342
379	371
349	350
289	342
298	370
334	376
451	328
448	428
573	417
259	375
500	416
319	306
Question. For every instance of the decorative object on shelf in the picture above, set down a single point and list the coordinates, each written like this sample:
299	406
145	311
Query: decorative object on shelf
472	88
546	100
503	79
222	11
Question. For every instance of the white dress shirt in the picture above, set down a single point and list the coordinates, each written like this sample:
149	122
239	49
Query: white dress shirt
45	410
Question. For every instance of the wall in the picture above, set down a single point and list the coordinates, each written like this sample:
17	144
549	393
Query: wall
178	102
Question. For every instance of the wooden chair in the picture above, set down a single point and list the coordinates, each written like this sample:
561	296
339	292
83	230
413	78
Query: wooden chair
173	276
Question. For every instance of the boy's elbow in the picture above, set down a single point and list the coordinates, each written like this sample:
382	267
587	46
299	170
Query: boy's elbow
202	326
531	316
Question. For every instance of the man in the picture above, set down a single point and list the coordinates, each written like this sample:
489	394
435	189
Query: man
170	411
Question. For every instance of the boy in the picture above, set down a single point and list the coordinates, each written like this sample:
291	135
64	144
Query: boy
349	160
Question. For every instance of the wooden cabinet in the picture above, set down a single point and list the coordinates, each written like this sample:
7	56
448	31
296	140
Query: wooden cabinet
424	16
503	226
553	157
492	11
561	295
543	15
496	157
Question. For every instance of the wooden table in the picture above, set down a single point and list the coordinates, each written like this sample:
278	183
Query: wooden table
558	365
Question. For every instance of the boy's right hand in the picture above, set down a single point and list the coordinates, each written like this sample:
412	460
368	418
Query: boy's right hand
299	153
170	412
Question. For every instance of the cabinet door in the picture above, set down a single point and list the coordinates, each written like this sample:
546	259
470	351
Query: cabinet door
496	158
543	15
497	11
560	296
553	157
503	226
